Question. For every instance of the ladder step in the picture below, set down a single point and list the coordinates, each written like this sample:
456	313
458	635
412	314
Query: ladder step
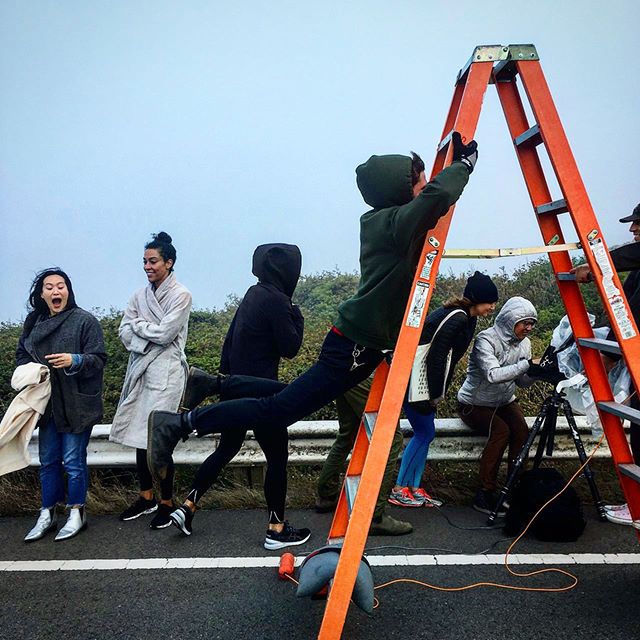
608	346
369	420
351	484
620	410
530	138
565	275
630	470
557	206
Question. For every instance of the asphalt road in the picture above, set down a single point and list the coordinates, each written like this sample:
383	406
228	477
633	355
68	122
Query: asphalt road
240	602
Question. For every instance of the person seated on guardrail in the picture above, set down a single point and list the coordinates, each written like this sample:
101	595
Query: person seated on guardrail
625	258
499	361
446	336
70	341
266	327
392	233
154	332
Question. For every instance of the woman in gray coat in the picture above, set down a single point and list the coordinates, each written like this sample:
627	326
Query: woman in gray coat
499	362
69	341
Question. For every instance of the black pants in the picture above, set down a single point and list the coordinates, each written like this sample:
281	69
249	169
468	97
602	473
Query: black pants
342	364
145	479
273	442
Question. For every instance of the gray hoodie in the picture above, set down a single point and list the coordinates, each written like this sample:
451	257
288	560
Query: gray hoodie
499	361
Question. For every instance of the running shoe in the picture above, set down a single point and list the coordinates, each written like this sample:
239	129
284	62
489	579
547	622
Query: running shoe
182	517
404	498
141	507
427	499
288	537
162	520
616	507
620	516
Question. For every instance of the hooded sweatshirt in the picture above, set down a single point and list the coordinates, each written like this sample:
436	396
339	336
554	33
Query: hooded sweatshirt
266	326
391	238
499	360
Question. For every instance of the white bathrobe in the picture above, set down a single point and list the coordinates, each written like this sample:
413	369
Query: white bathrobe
33	383
154	331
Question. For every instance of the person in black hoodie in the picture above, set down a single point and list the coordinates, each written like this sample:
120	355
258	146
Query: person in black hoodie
265	328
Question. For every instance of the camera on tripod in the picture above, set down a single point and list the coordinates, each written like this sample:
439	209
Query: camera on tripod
547	370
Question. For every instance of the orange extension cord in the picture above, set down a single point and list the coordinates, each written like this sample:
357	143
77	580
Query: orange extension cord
497	585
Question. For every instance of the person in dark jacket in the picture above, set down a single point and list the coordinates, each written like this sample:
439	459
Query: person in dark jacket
266	327
69	340
625	258
448	331
392	233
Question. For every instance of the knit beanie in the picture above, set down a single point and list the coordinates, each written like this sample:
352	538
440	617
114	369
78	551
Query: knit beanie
480	288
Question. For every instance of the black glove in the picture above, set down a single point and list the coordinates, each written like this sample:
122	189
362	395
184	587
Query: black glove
536	371
465	153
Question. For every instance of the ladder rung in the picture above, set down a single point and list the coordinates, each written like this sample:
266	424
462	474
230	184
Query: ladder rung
530	138
565	275
369	420
557	206
630	470
608	346
620	410
351	484
445	141
336	540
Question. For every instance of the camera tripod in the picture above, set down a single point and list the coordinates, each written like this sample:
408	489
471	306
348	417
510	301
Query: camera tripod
545	425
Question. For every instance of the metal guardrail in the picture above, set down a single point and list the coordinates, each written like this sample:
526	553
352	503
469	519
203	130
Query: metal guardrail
310	441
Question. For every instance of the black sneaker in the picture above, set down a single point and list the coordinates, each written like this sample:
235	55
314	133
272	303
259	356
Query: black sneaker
182	518
288	537
161	520
164	430
140	507
485	502
199	385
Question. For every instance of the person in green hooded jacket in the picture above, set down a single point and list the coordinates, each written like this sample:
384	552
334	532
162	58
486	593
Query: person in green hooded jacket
392	233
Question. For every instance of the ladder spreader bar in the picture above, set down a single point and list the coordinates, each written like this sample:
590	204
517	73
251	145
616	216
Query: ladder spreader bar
565	275
531	137
557	206
607	346
630	470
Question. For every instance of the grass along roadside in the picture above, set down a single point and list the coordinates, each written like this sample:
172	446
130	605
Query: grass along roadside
112	490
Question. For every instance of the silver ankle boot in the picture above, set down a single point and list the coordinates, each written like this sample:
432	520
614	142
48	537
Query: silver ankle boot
47	521
75	524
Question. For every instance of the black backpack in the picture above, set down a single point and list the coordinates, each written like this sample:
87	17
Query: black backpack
561	521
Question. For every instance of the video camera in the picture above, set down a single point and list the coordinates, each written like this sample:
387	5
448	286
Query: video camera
547	370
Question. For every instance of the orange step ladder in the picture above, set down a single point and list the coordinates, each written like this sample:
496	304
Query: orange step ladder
501	66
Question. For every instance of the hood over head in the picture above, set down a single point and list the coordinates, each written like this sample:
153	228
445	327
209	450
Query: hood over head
278	264
385	181
513	310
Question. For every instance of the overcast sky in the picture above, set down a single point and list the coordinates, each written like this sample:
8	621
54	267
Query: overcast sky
230	124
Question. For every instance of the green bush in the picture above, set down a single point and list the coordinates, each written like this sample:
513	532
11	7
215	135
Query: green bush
319	296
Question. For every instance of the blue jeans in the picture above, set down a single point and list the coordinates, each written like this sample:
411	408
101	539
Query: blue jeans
60	453
414	457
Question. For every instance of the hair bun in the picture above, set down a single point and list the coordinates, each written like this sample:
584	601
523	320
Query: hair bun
162	237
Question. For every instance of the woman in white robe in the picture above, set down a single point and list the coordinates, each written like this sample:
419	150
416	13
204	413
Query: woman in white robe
154	331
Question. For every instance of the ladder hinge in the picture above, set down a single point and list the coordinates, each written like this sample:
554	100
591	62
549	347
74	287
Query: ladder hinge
506	70
484	53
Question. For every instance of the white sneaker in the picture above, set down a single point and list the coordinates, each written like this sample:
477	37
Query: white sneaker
47	521
615	507
75	524
620	516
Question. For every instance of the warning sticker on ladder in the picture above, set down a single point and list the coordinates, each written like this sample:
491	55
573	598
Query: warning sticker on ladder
620	313
417	304
428	265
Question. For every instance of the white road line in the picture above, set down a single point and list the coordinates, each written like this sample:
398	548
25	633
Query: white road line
119	564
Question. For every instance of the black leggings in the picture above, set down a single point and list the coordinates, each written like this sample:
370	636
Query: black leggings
342	364
145	479
273	442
